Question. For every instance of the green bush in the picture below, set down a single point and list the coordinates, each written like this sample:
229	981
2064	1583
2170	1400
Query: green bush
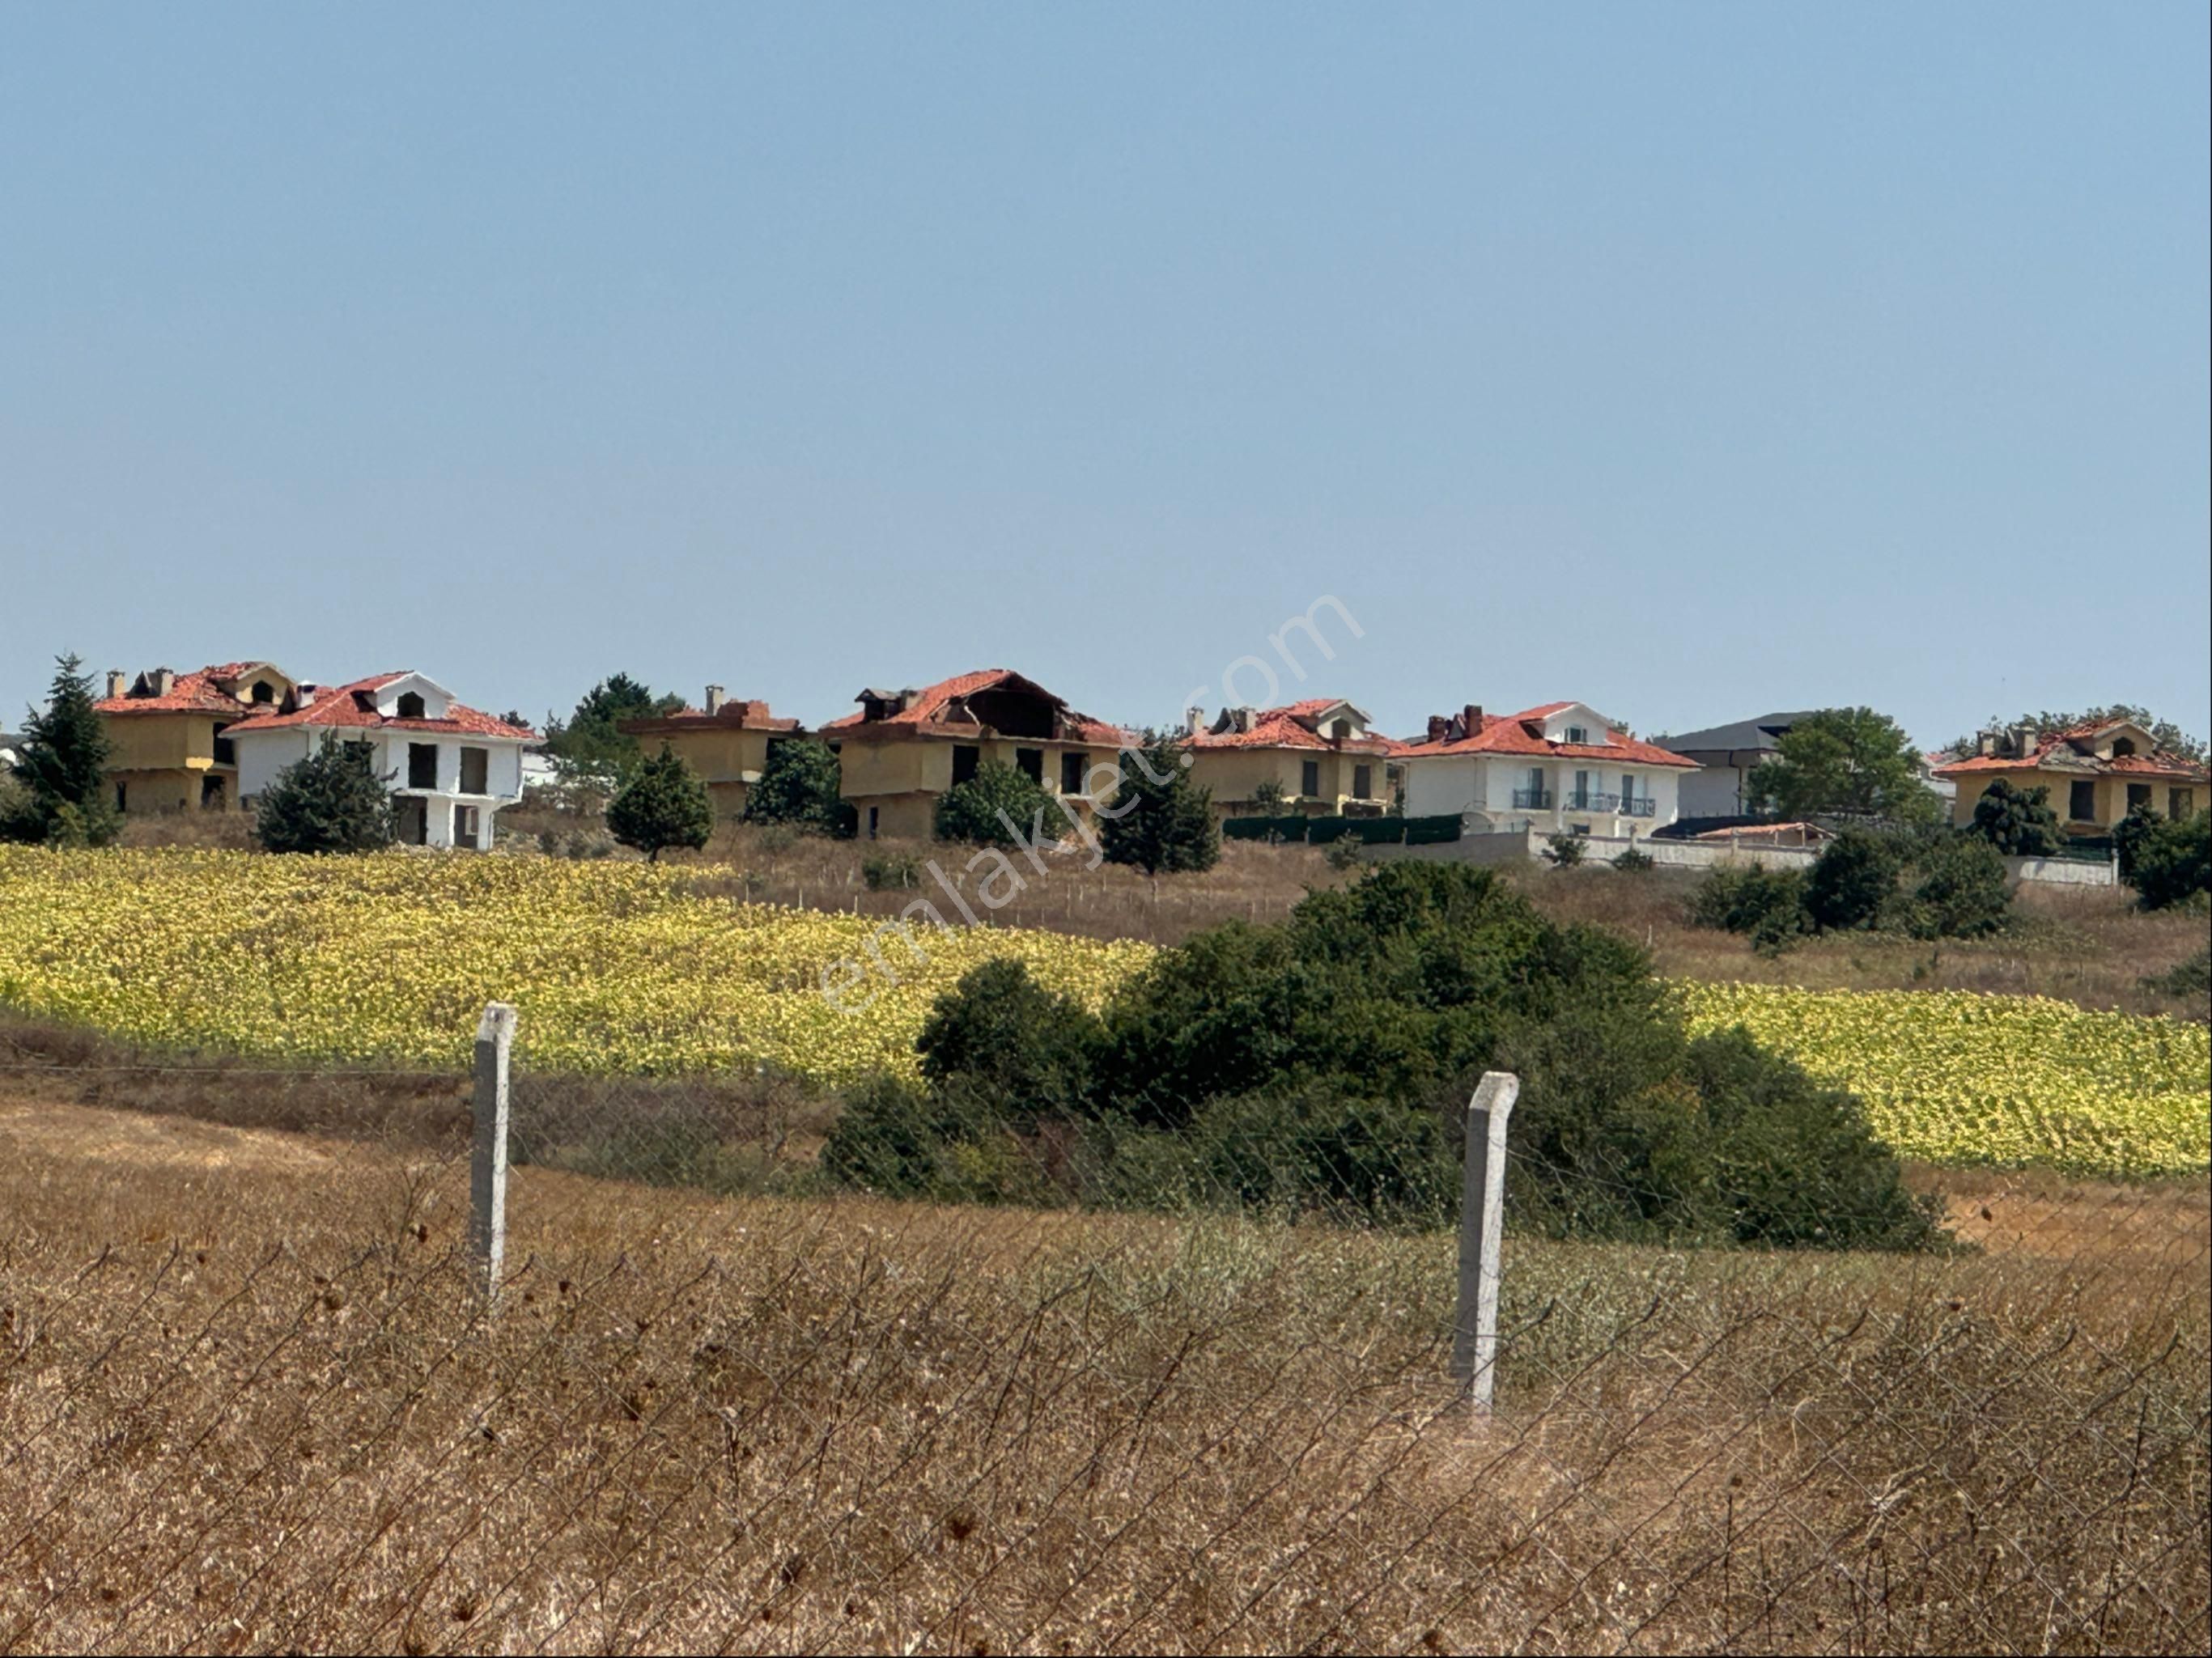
1768	905
997	807
901	870
1635	861
1849	882
799	786
1324	1065
1963	893
1564	851
1010	1045
2192	977
333	801
2173	864
1343	852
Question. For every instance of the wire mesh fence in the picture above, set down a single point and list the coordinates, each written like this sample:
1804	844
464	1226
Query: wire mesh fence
735	1397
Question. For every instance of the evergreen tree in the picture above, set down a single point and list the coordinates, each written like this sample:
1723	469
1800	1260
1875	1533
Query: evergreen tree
2018	822
980	810
663	805
63	765
331	802
2132	834
802	786
590	748
1159	820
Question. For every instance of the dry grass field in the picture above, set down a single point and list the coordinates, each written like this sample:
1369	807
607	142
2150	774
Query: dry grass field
246	1405
2083	944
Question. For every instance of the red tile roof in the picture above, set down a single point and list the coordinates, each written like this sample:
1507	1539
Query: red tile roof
197	692
1522	734
2066	751
354	706
1293	727
939	710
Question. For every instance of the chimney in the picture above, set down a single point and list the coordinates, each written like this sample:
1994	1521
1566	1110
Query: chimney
1193	721
165	681
1471	715
1439	728
1245	717
908	698
117	682
1986	744
713	699
303	695
2023	738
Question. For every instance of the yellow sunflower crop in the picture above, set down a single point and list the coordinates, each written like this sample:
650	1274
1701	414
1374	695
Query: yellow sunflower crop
1956	1076
623	967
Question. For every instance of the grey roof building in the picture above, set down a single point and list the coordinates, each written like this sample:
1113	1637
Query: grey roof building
1725	755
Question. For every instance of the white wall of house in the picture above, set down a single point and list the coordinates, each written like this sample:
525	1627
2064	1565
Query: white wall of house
1498	788
262	755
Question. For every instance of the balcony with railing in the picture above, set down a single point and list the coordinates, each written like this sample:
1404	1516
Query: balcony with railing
1590	800
1533	799
1645	806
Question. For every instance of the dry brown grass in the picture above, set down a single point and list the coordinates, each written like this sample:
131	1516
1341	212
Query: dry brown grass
245	1406
1251	883
2088	946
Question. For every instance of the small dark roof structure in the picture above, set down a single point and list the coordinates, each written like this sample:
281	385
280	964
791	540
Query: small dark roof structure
1761	734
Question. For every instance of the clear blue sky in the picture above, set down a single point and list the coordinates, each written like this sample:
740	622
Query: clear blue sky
1693	360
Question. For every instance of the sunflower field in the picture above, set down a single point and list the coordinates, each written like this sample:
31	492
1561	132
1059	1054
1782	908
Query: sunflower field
613	967
627	968
1954	1076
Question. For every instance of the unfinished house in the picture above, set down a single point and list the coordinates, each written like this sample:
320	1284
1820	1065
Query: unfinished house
2095	774
726	742
169	732
903	749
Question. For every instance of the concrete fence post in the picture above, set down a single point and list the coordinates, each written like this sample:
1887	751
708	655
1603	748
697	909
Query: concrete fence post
1482	1231
488	1164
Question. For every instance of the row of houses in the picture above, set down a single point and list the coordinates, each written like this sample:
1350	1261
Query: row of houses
215	737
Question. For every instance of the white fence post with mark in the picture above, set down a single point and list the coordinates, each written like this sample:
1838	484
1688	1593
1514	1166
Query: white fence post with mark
488	1164
1482	1231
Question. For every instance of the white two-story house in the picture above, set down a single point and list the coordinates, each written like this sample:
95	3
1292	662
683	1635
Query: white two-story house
452	766
1558	769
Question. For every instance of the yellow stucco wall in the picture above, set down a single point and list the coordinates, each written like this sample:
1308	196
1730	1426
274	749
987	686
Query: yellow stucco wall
902	777
163	760
2111	794
721	757
1234	775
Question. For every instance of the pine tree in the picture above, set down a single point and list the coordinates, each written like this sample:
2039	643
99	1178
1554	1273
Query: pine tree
590	749
2018	822
1159	820
663	805
64	766
331	802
